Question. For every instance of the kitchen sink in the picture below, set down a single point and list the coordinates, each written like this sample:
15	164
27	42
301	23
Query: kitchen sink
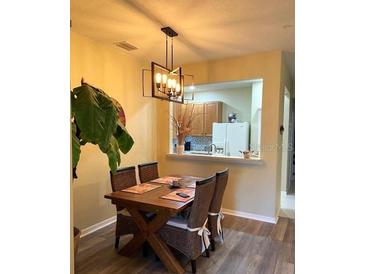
198	152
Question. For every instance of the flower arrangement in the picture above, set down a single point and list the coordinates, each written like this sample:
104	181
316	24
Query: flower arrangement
182	121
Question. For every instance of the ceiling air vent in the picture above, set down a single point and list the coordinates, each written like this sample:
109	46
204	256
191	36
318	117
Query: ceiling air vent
125	45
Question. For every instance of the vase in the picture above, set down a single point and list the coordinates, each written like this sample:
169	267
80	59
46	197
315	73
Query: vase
180	149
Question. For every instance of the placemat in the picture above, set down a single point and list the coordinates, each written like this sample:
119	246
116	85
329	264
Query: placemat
190	185
165	180
172	195
141	188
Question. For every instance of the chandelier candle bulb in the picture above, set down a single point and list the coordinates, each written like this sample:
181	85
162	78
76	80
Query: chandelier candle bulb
169	83
164	79
158	78
173	83
178	87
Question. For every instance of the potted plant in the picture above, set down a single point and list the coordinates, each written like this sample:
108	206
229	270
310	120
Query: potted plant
99	119
182	121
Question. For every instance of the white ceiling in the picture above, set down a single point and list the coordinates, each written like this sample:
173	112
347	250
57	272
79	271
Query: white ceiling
208	29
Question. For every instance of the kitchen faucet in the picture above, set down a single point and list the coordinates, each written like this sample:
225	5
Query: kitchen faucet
210	148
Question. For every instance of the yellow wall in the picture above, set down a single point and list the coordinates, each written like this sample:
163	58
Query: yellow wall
251	189
118	74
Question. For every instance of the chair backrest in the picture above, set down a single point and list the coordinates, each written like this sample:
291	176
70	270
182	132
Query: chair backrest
148	172
123	178
220	187
203	196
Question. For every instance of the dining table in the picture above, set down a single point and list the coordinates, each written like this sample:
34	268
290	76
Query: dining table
163	209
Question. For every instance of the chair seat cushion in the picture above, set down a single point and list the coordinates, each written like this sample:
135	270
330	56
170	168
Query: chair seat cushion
178	222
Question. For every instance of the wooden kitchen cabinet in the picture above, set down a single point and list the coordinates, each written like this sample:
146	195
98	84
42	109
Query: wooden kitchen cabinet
213	114
205	114
198	122
177	110
198	112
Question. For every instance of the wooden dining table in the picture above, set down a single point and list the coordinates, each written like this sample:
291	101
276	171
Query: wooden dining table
151	201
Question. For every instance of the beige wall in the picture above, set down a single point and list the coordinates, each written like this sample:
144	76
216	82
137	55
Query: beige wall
118	74
251	189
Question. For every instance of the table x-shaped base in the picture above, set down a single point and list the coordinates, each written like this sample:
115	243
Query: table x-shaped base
148	232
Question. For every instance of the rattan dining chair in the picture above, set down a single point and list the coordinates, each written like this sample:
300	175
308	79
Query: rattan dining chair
148	172
215	214
123	178
190	236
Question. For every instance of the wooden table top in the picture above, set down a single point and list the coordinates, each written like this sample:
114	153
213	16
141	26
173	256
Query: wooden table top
152	199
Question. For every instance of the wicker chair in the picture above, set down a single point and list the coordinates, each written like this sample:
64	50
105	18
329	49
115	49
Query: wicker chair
148	172
184	234
215	215
123	178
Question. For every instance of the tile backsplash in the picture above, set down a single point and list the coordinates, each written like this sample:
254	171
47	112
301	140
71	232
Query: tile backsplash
197	142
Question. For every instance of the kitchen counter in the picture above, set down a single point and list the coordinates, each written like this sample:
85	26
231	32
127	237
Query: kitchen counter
215	158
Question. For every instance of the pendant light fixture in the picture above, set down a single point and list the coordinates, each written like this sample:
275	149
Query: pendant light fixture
167	83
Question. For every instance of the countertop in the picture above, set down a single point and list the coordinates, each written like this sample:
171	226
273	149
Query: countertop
215	158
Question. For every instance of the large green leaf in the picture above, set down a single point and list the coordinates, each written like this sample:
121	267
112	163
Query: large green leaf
111	117
72	104
113	154
75	146
125	141
89	116
96	121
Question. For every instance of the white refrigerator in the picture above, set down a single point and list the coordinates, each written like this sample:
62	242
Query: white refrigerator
231	138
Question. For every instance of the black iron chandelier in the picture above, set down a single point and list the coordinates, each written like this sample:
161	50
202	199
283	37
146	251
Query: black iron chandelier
167	83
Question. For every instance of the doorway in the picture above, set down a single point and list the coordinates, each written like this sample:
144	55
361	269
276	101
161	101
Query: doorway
287	164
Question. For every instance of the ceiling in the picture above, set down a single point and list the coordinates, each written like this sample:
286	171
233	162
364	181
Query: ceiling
223	85
208	29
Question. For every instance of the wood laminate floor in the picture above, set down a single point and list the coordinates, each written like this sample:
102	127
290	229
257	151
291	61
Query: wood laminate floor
250	247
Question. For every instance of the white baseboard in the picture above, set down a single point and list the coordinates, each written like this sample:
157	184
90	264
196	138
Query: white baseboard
277	216
262	218
287	213
95	227
287	204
